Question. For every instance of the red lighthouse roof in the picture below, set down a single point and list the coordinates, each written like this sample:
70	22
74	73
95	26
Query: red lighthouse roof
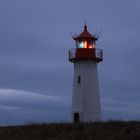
85	35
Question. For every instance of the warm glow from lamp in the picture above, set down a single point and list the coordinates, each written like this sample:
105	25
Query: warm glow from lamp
85	44
91	46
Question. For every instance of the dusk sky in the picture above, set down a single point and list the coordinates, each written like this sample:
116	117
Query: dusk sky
35	74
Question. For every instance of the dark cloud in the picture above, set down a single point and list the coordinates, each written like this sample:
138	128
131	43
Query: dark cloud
34	40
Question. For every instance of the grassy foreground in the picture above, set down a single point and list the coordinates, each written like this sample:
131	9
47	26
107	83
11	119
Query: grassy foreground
112	130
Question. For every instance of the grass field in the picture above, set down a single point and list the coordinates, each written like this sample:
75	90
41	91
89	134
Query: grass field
111	130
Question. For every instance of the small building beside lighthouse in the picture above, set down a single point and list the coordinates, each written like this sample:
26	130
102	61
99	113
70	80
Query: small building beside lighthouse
85	57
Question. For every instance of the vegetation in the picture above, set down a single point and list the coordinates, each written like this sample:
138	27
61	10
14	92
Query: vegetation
112	130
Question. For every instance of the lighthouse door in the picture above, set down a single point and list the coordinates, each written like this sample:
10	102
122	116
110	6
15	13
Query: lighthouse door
76	117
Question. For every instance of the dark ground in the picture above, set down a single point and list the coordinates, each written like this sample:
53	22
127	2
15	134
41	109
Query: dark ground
112	130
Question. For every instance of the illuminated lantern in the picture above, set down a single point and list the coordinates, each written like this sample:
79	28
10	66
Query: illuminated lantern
85	39
85	57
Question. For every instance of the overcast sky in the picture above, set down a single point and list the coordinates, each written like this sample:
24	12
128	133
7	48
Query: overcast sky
35	74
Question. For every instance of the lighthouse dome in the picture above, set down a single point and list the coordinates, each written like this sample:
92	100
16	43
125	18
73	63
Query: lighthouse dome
85	35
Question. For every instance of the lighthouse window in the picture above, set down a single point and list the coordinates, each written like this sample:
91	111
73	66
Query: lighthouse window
84	44
81	45
79	79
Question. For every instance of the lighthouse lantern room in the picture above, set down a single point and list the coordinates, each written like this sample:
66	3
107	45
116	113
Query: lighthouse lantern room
85	57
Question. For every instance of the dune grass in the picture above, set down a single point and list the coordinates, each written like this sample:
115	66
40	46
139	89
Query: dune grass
111	130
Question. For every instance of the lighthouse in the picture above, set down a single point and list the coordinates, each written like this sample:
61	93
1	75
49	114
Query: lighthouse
85	57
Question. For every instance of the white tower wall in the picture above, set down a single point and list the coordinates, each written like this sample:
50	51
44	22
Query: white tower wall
86	100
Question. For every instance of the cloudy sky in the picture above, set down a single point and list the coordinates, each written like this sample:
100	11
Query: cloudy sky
35	74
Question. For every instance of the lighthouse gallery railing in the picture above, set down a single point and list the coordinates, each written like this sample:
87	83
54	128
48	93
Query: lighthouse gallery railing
84	54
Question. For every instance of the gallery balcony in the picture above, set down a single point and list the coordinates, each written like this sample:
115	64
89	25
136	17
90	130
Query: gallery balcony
77	54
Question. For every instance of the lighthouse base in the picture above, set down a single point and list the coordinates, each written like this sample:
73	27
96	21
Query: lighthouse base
78	117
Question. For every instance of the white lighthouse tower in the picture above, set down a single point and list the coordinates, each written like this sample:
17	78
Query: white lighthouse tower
85	57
